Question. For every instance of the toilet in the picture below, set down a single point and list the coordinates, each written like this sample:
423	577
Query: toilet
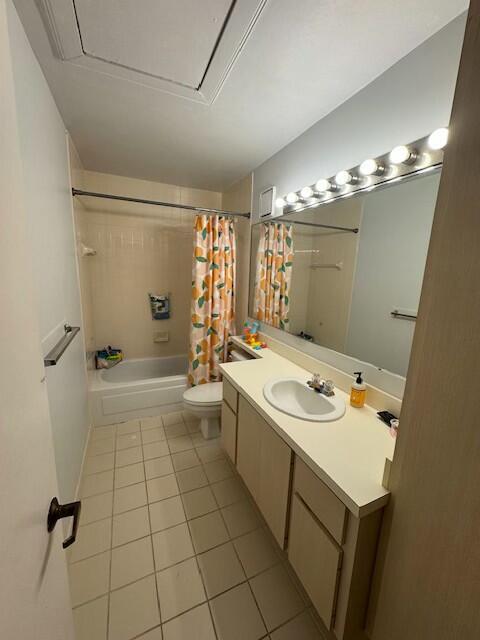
205	402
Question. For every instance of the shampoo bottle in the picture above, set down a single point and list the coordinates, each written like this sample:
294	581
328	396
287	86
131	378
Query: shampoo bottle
358	392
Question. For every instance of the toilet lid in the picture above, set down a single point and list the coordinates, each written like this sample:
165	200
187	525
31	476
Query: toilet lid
210	393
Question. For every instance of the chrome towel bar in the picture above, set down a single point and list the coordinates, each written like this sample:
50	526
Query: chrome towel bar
54	355
396	313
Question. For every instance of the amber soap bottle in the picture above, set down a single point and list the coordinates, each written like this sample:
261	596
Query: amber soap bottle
358	391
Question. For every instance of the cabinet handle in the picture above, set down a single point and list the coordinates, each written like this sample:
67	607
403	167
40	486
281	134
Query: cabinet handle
58	511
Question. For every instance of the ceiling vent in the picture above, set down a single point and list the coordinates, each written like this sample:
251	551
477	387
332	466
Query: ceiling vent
184	47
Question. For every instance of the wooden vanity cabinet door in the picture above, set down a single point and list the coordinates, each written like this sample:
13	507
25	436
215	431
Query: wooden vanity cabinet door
249	432
274	483
228	436
316	559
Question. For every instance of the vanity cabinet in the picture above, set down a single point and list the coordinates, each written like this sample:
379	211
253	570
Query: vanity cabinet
264	461
331	550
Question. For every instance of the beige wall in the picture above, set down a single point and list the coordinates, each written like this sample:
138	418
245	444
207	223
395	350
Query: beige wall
239	198
140	249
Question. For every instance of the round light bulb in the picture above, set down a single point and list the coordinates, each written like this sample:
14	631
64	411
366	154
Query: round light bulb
306	192
323	185
438	139
292	197
400	154
280	203
370	167
343	177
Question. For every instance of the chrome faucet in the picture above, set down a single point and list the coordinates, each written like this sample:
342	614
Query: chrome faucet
325	387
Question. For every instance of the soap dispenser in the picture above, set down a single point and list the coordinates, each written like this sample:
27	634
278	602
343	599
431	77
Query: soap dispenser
358	392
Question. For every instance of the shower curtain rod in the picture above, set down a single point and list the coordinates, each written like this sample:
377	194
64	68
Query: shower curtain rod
323	226
159	203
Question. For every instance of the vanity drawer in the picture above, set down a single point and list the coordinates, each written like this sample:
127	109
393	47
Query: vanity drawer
230	395
316	560
228	435
330	511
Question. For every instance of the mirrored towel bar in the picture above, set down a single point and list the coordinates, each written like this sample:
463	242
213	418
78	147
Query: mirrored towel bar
54	355
333	265
401	315
159	203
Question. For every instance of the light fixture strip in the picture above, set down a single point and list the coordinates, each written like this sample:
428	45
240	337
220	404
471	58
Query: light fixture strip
404	161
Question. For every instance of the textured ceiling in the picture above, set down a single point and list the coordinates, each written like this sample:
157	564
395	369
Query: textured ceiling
301	60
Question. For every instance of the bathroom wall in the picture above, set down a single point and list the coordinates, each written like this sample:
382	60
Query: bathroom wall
395	233
239	198
50	221
140	249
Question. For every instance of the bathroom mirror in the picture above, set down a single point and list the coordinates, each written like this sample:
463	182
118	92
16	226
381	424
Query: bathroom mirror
348	275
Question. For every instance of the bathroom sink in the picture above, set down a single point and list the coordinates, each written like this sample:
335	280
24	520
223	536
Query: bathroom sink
294	397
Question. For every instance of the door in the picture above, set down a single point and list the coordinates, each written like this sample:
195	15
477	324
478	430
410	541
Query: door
34	592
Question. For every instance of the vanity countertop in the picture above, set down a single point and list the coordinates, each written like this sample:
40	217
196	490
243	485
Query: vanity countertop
347	454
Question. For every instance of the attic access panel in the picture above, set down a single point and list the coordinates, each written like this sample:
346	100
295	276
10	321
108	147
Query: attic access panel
184	47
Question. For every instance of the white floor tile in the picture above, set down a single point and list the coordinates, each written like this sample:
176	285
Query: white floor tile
236	615
128	441
133	610
179	588
130	526
96	508
190	479
155	450
172	418
161	488
166	513
131	562
132	474
103	445
132	426
130	497
208	531
193	426
182	443
153	634
91	539
128	456
89	578
256	552
301	628
217	470
97	433
240	518
175	430
228	491
96	464
210	452
172	546
90	620
220	569
150	423
185	460
198	439
195	624
158	467
96	483
277	596
153	435
198	502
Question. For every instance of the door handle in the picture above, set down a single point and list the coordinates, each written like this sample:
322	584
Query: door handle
58	511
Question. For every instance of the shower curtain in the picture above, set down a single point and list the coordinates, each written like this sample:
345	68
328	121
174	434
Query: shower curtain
274	274
213	301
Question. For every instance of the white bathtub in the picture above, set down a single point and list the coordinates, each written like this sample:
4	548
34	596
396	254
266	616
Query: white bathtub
137	388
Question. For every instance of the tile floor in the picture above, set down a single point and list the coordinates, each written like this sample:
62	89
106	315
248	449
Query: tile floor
171	547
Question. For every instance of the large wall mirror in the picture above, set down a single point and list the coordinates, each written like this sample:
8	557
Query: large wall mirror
353	289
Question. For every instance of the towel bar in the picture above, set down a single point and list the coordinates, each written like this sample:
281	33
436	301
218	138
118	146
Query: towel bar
54	355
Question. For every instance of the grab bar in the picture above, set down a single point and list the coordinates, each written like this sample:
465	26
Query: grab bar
54	355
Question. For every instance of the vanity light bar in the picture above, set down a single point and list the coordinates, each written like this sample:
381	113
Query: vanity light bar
404	161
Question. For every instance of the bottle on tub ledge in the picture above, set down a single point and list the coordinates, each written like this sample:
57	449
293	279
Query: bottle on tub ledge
358	391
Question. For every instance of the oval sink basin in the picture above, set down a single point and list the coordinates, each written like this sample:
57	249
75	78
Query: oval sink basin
294	397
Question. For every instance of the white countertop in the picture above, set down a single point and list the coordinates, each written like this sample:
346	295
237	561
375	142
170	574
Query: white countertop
348	454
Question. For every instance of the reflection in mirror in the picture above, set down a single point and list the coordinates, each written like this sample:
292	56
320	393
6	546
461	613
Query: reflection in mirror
353	289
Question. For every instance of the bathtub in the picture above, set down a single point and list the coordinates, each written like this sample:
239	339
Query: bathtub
137	388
